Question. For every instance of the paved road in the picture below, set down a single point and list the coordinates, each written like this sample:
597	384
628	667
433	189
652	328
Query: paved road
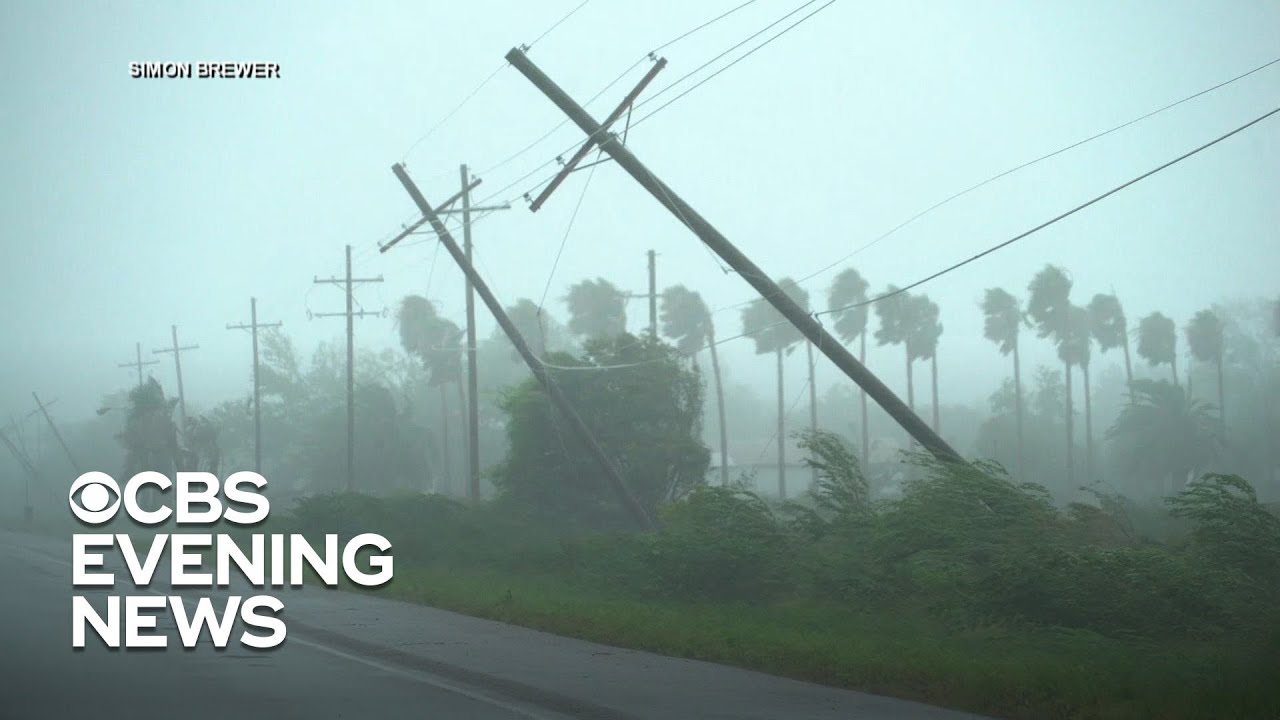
354	656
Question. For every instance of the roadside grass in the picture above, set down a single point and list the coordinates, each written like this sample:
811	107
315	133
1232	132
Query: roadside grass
1001	669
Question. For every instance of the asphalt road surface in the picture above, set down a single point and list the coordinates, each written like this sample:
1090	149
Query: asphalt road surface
356	656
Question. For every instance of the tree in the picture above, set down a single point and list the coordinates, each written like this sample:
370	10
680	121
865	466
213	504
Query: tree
1163	435
645	410
848	303
686	319
1074	350
773	333
1158	342
1002	326
923	341
1205	338
1049	307
437	342
150	436
539	329
1110	329
894	313
597	308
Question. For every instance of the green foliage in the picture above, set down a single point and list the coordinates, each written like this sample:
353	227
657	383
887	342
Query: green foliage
597	309
1157	339
719	544
644	406
1049	301
1003	319
686	319
1107	322
1231	528
770	331
1163	434
847	301
1204	336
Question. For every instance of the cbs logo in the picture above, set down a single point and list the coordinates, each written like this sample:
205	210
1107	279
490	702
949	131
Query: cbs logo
199	498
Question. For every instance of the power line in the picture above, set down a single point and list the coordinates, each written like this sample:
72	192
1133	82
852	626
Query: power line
556	24
455	110
564	240
1051	221
647	56
1029	163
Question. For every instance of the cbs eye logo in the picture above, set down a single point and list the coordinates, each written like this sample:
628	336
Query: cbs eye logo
94	506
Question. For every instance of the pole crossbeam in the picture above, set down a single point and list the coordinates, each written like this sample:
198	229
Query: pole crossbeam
253	326
444	207
138	363
351	314
594	139
804	321
177	351
56	433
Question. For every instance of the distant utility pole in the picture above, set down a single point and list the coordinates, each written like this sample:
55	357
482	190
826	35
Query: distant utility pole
252	327
554	393
56	434
806	323
651	296
177	366
350	315
30	474
473	394
138	363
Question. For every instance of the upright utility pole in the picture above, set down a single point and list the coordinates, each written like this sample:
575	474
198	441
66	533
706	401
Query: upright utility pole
138	362
252	327
473	385
177	366
29	472
807	324
349	283
557	397
56	433
651	296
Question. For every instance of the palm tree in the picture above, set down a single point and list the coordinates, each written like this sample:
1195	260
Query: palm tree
924	335
686	319
1049	307
1204	337
1108	326
1074	350
773	333
1163	435
435	341
1002	326
1158	342
597	308
539	330
894	312
847	301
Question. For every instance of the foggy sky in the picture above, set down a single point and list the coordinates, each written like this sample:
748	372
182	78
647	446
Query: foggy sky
129	205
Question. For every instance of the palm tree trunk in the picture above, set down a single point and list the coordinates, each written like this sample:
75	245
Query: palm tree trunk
1017	400
866	432
447	475
465	434
724	433
782	444
1128	367
1173	365
911	390
1222	400
934	372
813	403
1071	477
1088	427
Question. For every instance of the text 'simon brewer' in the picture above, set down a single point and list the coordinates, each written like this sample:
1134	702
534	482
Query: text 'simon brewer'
131	621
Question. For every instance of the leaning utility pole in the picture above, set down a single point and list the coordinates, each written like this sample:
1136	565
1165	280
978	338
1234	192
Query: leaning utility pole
177	366
138	362
807	324
553	390
252	327
350	315
56	433
473	392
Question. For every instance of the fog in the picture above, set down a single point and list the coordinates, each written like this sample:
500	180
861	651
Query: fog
131	205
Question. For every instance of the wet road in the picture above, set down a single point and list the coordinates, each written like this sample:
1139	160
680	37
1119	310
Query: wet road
355	656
